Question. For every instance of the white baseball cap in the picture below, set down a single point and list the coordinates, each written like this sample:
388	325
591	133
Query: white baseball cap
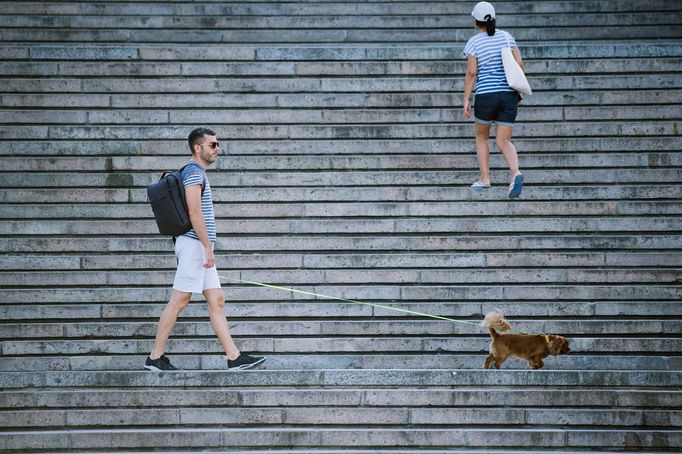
483	9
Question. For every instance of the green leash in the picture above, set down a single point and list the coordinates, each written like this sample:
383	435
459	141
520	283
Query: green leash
319	295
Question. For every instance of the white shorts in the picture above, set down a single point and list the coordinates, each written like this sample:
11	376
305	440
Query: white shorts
191	275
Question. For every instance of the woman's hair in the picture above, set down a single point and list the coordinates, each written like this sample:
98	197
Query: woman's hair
489	25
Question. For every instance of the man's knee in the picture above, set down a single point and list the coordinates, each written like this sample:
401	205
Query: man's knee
180	300
216	302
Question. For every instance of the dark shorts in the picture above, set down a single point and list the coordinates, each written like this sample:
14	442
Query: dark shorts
498	108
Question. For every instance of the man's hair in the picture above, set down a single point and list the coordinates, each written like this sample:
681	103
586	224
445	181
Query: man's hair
196	135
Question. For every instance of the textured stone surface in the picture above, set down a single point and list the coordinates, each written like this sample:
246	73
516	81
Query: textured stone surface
345	167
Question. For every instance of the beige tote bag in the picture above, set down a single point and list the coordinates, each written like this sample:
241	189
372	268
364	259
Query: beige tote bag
515	76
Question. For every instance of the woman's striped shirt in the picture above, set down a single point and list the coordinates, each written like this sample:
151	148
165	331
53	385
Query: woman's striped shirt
486	49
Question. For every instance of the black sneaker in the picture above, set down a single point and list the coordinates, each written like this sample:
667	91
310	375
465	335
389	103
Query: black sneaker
245	362
159	365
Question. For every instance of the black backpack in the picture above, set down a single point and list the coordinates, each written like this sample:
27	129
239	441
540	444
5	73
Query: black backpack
167	197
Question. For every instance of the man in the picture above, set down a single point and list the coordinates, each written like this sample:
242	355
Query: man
196	271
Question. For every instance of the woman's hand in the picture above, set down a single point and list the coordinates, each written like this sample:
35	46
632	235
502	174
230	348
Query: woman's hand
467	108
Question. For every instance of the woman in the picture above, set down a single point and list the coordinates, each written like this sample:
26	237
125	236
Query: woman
496	102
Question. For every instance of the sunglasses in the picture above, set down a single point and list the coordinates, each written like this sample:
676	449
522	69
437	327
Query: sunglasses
213	145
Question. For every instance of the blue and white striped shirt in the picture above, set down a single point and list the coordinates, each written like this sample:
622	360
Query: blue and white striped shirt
192	175
486	49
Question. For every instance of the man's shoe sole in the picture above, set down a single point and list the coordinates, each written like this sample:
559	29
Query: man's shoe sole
248	366
156	369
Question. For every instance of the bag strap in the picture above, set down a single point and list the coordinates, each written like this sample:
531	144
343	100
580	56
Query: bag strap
179	172
203	181
506	37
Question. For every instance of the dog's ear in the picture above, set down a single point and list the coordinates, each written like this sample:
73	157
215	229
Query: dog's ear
564	346
554	345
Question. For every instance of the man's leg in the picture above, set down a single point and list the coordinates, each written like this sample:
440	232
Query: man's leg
216	312
482	151
179	300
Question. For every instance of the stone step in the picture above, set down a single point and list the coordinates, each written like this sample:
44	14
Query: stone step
413	450
309	266
354	378
180	437
355	210
349	179
149	303
643	243
264	417
553	101
393	327
328	345
402	225
369	91
607	196
287	362
407	297
407	450
423	146
611	398
663	48
542	67
637	159
298	34
323	8
461	19
358	162
146	274
342	131
309	116
618	67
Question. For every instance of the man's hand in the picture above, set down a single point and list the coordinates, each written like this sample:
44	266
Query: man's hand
209	257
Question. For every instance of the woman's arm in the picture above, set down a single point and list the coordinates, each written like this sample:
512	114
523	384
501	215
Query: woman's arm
469	80
517	57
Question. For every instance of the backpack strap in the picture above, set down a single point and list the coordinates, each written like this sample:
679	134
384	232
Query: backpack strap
203	182
179	172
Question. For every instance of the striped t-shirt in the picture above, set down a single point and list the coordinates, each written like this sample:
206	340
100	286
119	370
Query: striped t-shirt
486	49
195	174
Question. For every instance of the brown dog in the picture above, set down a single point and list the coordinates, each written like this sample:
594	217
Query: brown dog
531	347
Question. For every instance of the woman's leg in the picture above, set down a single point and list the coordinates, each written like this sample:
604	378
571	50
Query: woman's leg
482	152
503	141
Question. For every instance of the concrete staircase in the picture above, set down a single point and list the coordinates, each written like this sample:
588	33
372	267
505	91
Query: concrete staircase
345	171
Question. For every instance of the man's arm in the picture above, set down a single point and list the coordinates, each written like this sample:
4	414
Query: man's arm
196	217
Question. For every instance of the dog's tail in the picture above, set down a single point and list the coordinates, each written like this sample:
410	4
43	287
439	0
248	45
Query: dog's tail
495	320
